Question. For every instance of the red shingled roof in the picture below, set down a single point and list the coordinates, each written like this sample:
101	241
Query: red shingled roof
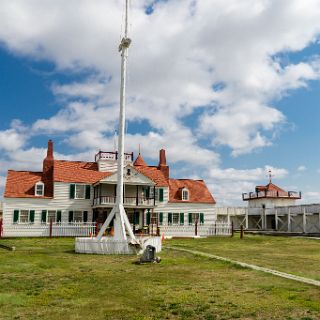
154	174
198	191
269	187
20	184
77	171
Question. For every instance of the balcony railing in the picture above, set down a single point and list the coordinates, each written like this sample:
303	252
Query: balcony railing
127	201
271	194
102	155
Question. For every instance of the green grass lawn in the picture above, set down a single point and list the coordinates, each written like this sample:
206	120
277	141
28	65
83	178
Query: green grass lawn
44	279
299	256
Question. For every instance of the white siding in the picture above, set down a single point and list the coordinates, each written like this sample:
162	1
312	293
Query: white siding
61	202
270	202
207	209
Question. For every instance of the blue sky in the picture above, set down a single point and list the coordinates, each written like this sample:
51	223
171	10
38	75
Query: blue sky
229	89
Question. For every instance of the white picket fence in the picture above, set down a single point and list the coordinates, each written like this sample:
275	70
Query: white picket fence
72	229
217	229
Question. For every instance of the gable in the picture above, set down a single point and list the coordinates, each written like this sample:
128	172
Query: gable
131	176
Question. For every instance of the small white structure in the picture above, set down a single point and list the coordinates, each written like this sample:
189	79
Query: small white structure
262	200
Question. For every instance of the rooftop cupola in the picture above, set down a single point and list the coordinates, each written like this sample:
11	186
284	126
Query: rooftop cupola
139	162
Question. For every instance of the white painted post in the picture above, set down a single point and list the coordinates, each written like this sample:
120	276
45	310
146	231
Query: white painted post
121	222
289	220
304	220
247	218
276	218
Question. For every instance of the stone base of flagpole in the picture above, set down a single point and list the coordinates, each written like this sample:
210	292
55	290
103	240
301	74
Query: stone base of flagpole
109	245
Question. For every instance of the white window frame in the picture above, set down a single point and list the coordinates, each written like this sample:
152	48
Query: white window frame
74	215
55	216
28	216
184	192
195	216
38	184
177	216
77	185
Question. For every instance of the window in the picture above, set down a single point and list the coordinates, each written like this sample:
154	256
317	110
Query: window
175	218
78	216
193	217
185	194
51	215
39	189
23	216
80	191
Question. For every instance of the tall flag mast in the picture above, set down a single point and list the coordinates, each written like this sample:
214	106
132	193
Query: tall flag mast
121	222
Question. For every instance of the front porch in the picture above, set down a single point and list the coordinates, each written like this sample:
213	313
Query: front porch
135	196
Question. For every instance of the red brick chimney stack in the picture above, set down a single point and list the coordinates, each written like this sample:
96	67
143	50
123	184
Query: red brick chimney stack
163	163
47	173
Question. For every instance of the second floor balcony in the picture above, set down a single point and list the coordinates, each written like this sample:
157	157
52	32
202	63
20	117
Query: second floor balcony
127	201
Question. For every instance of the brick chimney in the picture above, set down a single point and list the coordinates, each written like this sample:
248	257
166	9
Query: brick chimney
163	163
47	173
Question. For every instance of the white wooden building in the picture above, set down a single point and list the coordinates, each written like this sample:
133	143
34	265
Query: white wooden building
76	195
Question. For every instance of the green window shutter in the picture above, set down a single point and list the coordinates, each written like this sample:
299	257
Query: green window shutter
59	216
161	195
169	218
72	191
190	218
148	218
182	218
201	218
31	216
70	216
136	218
85	216
15	216
43	216
161	218
88	190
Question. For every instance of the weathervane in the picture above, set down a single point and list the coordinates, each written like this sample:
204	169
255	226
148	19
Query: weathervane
270	175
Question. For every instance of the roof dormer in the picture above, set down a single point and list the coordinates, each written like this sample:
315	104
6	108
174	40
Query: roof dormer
185	194
39	189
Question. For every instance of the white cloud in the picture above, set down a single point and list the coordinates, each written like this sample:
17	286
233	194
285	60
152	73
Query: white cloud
170	75
178	55
302	168
12	139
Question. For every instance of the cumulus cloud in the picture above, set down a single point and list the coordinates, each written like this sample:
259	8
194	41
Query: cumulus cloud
302	168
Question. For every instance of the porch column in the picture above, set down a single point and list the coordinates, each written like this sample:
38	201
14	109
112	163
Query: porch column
137	195
276	219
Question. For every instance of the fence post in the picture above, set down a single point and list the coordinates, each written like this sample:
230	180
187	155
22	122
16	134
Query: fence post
232	230
196	228
1	224
50	229
241	232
